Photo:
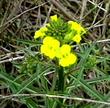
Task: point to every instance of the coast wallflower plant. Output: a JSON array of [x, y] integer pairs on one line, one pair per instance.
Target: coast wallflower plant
[[56, 37]]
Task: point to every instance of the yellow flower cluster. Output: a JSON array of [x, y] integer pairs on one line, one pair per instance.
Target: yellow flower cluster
[[55, 46], [75, 33], [41, 32], [51, 48]]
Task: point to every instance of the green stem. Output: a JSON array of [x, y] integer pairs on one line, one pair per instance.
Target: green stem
[[60, 84], [60, 79]]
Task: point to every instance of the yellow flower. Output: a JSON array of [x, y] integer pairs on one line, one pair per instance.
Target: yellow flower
[[40, 32], [63, 51], [77, 38], [76, 26], [50, 47], [54, 18], [48, 51], [65, 56], [68, 60]]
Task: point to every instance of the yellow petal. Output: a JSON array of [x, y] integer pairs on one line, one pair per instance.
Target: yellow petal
[[51, 54], [54, 18], [40, 32], [48, 51], [72, 58], [63, 62], [44, 49], [51, 41], [77, 38]]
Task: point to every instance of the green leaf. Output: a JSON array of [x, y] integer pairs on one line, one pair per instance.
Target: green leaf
[[89, 89], [29, 42]]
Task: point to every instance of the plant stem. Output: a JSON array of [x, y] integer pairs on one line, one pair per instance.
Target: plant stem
[[60, 84], [61, 79]]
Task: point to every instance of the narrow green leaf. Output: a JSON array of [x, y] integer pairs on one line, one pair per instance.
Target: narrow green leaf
[[90, 89]]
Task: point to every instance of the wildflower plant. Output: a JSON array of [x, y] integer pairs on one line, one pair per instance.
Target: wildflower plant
[[56, 37]]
